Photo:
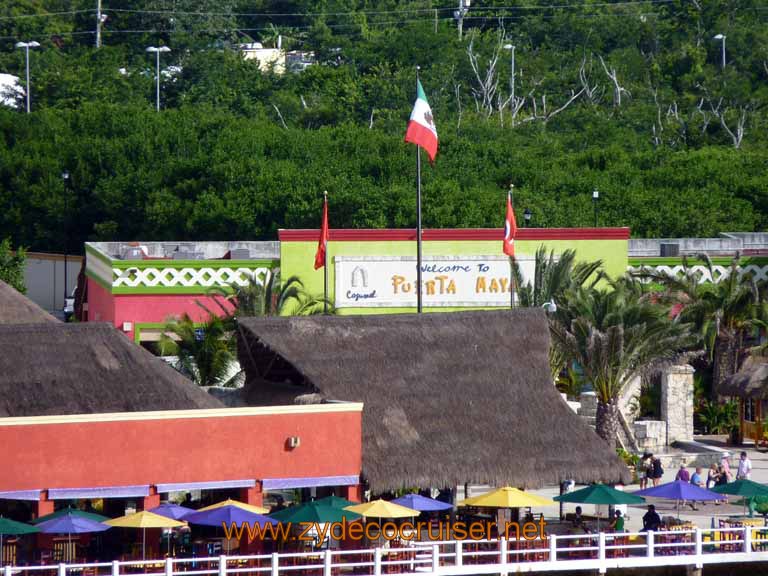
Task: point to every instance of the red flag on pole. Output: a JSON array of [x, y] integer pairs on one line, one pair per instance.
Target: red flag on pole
[[510, 228], [322, 243]]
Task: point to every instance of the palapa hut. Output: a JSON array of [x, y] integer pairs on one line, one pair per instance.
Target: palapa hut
[[449, 398], [750, 386], [56, 368], [15, 308]]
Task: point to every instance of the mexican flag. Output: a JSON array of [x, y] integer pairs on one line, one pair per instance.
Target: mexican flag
[[421, 127], [322, 243]]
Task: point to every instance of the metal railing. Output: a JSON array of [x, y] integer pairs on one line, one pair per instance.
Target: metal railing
[[601, 551]]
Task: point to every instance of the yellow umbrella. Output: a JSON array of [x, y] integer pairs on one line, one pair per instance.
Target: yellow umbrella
[[144, 520], [238, 504], [383, 509], [507, 497]]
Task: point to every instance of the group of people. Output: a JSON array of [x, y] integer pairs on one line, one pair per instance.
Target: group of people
[[649, 470]]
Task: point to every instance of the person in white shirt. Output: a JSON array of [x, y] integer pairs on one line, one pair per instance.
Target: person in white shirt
[[745, 467]]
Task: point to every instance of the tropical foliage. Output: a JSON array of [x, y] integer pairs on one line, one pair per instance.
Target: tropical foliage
[[12, 265], [204, 352], [628, 97], [613, 334]]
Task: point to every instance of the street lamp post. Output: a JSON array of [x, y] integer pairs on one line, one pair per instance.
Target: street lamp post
[[511, 48], [65, 178], [157, 54], [27, 46], [721, 37], [595, 198], [527, 217]]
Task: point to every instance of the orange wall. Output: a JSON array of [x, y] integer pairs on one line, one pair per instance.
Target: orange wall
[[91, 454]]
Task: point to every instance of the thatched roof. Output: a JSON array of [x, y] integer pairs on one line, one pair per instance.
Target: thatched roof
[[749, 382], [15, 308], [448, 398], [48, 369]]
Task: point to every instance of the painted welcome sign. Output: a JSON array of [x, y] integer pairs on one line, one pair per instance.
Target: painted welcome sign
[[387, 281]]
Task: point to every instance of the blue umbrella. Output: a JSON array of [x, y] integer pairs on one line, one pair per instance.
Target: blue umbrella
[[172, 511], [679, 490], [228, 515], [71, 524], [422, 503]]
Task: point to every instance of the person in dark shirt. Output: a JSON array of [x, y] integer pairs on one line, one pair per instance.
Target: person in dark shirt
[[651, 520]]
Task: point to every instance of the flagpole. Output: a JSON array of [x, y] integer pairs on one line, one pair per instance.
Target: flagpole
[[511, 258], [418, 216], [325, 266]]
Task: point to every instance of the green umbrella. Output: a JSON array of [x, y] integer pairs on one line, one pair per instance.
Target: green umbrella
[[315, 512], [600, 494], [11, 527], [746, 488], [74, 512], [336, 502]]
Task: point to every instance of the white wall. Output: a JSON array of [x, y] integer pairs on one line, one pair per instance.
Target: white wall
[[44, 276]]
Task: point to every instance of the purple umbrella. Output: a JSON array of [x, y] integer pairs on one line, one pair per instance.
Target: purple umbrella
[[422, 503], [679, 490], [173, 511], [71, 524], [228, 515]]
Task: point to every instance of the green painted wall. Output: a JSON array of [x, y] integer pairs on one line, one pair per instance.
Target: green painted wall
[[297, 258]]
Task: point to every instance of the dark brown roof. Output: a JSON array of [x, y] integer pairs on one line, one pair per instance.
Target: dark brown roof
[[749, 382], [58, 368], [15, 308], [449, 398]]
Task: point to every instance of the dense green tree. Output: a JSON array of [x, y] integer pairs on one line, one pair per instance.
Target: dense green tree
[[12, 265]]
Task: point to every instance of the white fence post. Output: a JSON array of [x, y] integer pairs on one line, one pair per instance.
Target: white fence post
[[169, 567], [503, 557], [553, 548], [601, 546], [377, 561], [459, 553], [700, 547], [747, 539], [435, 558], [222, 566], [7, 570], [115, 568], [275, 564], [62, 569], [649, 541], [327, 563]]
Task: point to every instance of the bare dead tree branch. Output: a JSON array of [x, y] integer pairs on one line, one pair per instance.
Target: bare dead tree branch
[[279, 115], [618, 90], [592, 93]]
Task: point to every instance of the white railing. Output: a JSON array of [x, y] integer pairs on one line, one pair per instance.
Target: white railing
[[458, 558]]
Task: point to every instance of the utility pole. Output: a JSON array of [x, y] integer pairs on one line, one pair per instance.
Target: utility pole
[[511, 48], [435, 20], [98, 23]]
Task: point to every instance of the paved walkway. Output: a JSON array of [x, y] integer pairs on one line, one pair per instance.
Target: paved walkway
[[703, 518]]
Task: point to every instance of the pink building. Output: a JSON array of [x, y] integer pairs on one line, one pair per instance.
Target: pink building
[[138, 286]]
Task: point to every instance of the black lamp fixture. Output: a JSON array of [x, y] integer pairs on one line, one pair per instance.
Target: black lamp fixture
[[527, 216]]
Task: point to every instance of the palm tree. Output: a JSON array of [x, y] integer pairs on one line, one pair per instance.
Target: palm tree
[[266, 294], [721, 312], [552, 277], [204, 352], [614, 334]]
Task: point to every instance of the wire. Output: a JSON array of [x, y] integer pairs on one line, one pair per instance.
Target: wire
[[47, 14]]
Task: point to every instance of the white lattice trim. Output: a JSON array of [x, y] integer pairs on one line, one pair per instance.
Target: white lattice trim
[[720, 273], [186, 277]]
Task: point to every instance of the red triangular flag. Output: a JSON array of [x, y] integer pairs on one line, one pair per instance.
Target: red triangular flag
[[510, 229], [322, 243]]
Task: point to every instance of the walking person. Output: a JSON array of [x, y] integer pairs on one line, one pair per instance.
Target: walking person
[[684, 476], [644, 470]]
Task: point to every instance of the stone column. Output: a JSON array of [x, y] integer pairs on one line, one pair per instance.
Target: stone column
[[677, 402], [253, 496]]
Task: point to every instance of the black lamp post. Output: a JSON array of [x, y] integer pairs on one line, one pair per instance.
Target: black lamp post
[[595, 198], [65, 178], [527, 217]]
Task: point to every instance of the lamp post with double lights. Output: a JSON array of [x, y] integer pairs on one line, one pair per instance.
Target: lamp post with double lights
[[27, 46], [511, 48], [157, 52]]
